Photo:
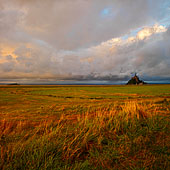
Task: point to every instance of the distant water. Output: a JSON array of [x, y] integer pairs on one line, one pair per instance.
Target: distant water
[[158, 82], [77, 83], [82, 82]]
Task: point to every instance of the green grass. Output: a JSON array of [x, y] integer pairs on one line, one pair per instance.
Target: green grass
[[85, 127]]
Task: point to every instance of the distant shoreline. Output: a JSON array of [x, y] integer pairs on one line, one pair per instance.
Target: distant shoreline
[[83, 82], [78, 84]]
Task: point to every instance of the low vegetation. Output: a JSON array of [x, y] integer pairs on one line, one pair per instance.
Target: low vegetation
[[80, 127]]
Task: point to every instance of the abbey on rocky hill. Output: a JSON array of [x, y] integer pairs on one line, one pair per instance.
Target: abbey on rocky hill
[[135, 81]]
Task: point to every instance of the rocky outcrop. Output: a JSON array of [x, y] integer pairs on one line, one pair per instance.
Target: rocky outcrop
[[135, 81]]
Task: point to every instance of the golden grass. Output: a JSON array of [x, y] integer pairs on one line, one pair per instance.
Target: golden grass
[[77, 136]]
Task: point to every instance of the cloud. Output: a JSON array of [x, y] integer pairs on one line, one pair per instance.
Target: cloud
[[113, 59], [154, 58], [148, 31], [70, 39], [72, 24]]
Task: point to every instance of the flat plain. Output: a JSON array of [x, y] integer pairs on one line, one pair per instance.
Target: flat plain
[[84, 127]]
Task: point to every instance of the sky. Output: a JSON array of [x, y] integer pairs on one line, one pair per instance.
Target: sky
[[83, 40]]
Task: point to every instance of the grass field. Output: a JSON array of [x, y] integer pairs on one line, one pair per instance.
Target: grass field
[[85, 127]]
